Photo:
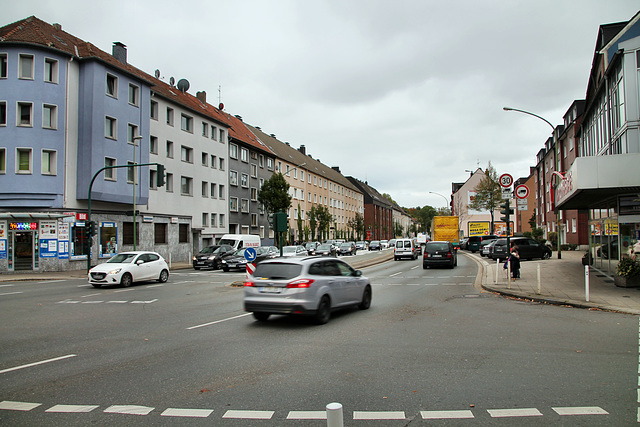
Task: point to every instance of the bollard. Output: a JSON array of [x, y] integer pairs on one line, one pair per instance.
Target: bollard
[[586, 282], [539, 281], [334, 415], [497, 270], [508, 274]]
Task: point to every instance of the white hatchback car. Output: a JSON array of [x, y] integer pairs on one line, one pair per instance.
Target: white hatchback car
[[404, 248], [128, 267]]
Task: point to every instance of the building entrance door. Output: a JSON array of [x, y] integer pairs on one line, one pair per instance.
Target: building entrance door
[[24, 250]]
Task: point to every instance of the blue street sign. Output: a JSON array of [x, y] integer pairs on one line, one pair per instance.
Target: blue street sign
[[250, 254]]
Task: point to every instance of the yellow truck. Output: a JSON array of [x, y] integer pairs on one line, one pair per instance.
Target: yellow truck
[[446, 228]]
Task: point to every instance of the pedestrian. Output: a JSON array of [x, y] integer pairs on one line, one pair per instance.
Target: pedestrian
[[514, 261]]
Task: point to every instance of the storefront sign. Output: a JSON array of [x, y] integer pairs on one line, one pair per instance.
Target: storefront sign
[[3, 240], [23, 226], [147, 218], [48, 248], [63, 240], [629, 205]]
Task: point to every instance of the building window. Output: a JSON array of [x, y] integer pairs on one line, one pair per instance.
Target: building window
[[25, 114], [23, 160], [254, 194], [49, 164], [233, 151], [160, 233], [186, 154], [214, 161], [244, 180], [213, 190], [3, 113], [25, 67], [131, 172], [205, 189], [214, 133], [127, 233], [244, 155], [205, 219], [254, 170], [205, 159], [205, 129], [3, 160], [110, 128], [79, 241], [254, 220], [221, 164], [109, 174], [233, 204], [153, 179], [154, 110], [134, 94], [270, 164], [221, 135], [132, 134], [3, 65], [168, 185], [183, 233], [186, 186], [170, 149], [186, 124], [49, 116], [261, 161], [233, 178], [221, 220], [112, 85], [50, 70], [153, 144], [221, 193], [245, 205], [170, 116]]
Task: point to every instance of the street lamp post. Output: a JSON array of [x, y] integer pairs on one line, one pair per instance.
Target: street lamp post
[[135, 174], [446, 202], [555, 143]]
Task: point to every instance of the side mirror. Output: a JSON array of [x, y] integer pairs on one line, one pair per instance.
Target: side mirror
[[358, 273], [139, 262]]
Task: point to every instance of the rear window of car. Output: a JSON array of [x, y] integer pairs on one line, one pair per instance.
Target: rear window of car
[[437, 247], [277, 271]]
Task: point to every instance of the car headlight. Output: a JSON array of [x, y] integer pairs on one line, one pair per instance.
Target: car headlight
[[224, 261], [116, 271], [211, 258]]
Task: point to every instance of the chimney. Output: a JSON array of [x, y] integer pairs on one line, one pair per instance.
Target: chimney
[[238, 117], [303, 149], [57, 26], [202, 96], [119, 52], [336, 168]]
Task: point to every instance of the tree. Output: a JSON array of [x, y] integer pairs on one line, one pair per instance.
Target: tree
[[388, 196], [313, 222], [299, 222], [424, 216], [274, 194], [356, 224], [324, 218], [488, 194]]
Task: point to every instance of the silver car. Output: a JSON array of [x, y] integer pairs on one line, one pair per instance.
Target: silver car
[[313, 286]]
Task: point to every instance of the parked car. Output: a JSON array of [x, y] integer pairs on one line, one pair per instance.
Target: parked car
[[347, 248], [312, 286], [527, 248], [486, 243], [384, 244], [374, 245], [126, 268], [438, 253], [311, 247], [486, 248], [392, 243], [211, 256], [326, 249], [238, 261], [404, 248], [266, 252], [464, 243], [292, 251], [475, 242], [361, 245]]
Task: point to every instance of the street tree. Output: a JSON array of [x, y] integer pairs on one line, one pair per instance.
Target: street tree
[[488, 194], [313, 222], [274, 194]]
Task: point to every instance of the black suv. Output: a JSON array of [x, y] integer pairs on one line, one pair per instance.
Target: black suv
[[527, 248]]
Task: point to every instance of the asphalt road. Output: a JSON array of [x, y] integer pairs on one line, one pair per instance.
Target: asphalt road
[[431, 345]]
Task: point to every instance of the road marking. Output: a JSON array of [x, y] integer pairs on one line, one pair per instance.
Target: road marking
[[92, 302], [10, 293], [129, 409], [52, 281], [417, 266], [91, 295], [307, 415], [72, 408], [253, 415], [124, 290], [446, 415], [519, 412], [55, 359], [116, 302], [218, 321], [580, 410], [144, 302], [18, 406], [395, 274], [6, 286], [155, 286], [194, 413], [378, 415]]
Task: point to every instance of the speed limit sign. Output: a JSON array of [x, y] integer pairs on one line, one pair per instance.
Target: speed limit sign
[[506, 180]]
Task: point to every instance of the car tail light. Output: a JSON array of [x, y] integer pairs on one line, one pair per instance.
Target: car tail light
[[302, 283], [249, 284], [449, 254]]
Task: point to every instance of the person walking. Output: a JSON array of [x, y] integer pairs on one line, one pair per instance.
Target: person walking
[[514, 261]]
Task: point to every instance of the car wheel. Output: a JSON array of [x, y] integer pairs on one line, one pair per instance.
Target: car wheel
[[260, 316], [324, 311], [96, 285], [546, 255], [218, 265], [366, 299], [164, 276], [424, 266], [196, 268], [395, 258], [225, 269], [126, 280]]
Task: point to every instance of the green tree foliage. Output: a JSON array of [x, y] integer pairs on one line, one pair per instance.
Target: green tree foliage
[[488, 193], [324, 218], [356, 224], [313, 221], [274, 194], [299, 222]]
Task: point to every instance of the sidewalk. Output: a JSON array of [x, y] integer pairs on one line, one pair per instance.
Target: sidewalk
[[562, 282]]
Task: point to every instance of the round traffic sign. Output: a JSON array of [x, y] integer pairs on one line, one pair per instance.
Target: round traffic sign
[[506, 180], [250, 254], [522, 191]]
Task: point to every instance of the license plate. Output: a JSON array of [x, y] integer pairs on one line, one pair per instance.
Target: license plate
[[232, 265], [269, 290], [436, 256]]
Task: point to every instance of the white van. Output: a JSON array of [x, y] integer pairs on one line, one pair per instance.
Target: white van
[[239, 241], [404, 248]]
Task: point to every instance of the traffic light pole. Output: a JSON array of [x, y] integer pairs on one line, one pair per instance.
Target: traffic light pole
[[90, 234]]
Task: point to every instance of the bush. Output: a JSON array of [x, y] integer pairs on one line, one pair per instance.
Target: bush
[[569, 247], [628, 267]]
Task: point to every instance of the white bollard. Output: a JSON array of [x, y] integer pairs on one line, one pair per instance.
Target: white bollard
[[334, 415], [497, 270], [586, 282], [539, 280]]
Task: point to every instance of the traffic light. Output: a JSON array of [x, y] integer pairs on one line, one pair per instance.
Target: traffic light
[[160, 176], [92, 228], [507, 211], [271, 221]]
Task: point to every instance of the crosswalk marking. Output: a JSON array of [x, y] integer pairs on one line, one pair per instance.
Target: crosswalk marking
[[517, 412], [252, 415], [181, 412], [72, 408], [18, 406], [446, 415], [378, 415], [307, 415], [129, 409], [578, 410]]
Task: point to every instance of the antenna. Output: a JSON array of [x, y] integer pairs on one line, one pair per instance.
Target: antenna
[[172, 81], [157, 73], [220, 95]]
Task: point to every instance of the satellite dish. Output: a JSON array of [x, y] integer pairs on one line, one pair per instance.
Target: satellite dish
[[157, 74], [172, 81], [221, 106], [183, 85]]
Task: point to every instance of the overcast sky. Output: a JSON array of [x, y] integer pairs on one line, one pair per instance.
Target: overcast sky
[[406, 95]]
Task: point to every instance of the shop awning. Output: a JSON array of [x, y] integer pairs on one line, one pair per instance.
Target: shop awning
[[22, 216]]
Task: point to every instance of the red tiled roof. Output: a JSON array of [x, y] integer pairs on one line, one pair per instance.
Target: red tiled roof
[[239, 131]]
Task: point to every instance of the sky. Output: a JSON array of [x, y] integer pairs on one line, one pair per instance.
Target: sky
[[407, 95]]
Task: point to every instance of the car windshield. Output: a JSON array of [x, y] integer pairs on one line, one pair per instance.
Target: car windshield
[[437, 247], [125, 258], [324, 247], [239, 252], [289, 250], [277, 270], [209, 249], [345, 245], [375, 242]]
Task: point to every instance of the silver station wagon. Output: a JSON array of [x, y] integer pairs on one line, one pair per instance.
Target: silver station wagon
[[313, 286]]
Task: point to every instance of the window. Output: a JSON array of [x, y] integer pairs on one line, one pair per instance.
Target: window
[[134, 94], [254, 170], [131, 172], [245, 205], [49, 164], [153, 179], [254, 220], [221, 135], [50, 70], [110, 127], [270, 164], [205, 191], [49, 116], [160, 233], [170, 116], [170, 149], [109, 174], [3, 160], [186, 124], [23, 160], [205, 159], [169, 183], [213, 190], [244, 180], [205, 129], [214, 133], [214, 219], [132, 134], [233, 204], [3, 113], [112, 85], [25, 66], [186, 154], [233, 151], [183, 233], [186, 186], [127, 233], [261, 161], [254, 194], [214, 161], [221, 193], [233, 178], [205, 219], [244, 155], [25, 113], [221, 220], [221, 164], [153, 144], [78, 240], [3, 65], [154, 110]]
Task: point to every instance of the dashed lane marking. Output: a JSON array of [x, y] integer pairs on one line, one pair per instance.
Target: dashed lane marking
[[18, 406], [580, 410], [307, 415], [10, 293], [251, 415], [193, 413], [378, 415], [446, 415], [29, 365], [68, 301], [517, 412], [129, 409], [72, 408]]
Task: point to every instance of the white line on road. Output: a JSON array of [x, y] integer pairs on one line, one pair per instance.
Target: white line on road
[[72, 408], [253, 415], [124, 290], [219, 321], [129, 409], [10, 293], [18, 406], [91, 295], [55, 359], [440, 415], [577, 410], [144, 302], [154, 286], [395, 274], [51, 281], [5, 286], [307, 415], [518, 412], [194, 413], [378, 415], [417, 266]]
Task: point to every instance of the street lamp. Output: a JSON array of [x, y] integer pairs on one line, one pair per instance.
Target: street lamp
[[135, 173], [555, 143], [446, 202], [294, 168]]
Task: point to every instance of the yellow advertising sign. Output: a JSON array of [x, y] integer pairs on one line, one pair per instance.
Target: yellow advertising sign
[[479, 228]]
